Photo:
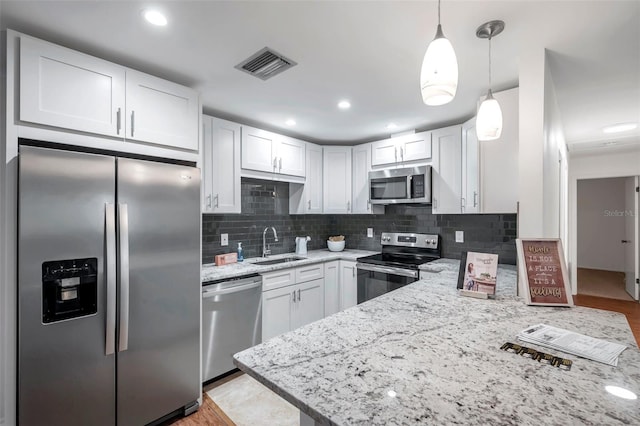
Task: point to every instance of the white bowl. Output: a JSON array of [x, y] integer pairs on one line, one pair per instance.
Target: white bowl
[[335, 245]]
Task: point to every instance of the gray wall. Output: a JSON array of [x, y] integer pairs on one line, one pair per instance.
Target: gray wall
[[601, 223], [266, 204]]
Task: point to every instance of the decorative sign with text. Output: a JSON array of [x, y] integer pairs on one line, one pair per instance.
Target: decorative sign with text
[[543, 272]]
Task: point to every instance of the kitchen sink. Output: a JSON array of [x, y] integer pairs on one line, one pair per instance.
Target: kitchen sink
[[280, 260]]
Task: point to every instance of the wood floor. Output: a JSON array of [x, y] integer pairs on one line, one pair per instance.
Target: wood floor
[[210, 414], [630, 309]]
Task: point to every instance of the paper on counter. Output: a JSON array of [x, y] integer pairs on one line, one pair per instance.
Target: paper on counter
[[573, 343]]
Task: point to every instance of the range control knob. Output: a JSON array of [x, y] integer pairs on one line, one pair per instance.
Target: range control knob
[[433, 241]]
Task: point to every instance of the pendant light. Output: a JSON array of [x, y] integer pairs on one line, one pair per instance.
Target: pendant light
[[489, 119], [439, 74]]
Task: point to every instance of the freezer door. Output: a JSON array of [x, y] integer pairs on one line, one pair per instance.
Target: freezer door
[[66, 375], [160, 289]]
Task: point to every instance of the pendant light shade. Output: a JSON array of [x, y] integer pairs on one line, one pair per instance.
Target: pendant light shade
[[439, 74], [489, 118]]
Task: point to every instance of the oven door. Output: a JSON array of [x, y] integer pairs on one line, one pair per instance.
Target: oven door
[[376, 280]]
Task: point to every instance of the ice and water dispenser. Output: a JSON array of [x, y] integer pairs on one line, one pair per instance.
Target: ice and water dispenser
[[69, 289]]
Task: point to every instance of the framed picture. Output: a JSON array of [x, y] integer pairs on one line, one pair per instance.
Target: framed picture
[[478, 272], [543, 272]]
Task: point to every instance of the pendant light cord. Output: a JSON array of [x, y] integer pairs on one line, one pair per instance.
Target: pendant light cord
[[489, 62], [438, 12]]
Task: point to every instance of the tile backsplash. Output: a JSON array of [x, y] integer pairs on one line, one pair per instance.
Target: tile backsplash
[[266, 204]]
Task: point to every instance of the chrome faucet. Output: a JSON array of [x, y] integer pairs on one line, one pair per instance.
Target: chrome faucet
[[265, 251]]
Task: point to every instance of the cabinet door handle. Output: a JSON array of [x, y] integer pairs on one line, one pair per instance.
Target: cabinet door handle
[[395, 150], [475, 198], [299, 298], [118, 121], [294, 296], [309, 204], [348, 206], [435, 203], [463, 204], [217, 200], [280, 164], [133, 120], [368, 204], [401, 154], [209, 200], [353, 270], [275, 163]]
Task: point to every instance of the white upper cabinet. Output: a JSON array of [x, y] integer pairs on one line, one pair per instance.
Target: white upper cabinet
[[221, 166], [258, 150], [67, 89], [307, 198], [499, 160], [447, 170], [415, 147], [269, 152], [337, 179], [291, 156], [63, 88], [405, 148], [384, 152], [313, 184], [470, 168], [361, 167], [161, 112]]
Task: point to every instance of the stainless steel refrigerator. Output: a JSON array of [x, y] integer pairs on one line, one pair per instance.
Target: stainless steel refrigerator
[[109, 288]]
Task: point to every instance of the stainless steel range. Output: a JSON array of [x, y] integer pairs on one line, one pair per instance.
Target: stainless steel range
[[397, 265]]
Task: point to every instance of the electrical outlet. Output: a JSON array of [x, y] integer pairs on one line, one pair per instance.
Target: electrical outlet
[[224, 239], [459, 236], [369, 232]]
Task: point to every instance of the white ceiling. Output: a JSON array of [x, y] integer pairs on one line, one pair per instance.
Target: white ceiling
[[367, 52]]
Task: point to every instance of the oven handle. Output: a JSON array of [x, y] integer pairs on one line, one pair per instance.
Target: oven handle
[[387, 270]]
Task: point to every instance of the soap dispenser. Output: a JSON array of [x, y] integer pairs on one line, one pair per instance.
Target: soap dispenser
[[240, 253]]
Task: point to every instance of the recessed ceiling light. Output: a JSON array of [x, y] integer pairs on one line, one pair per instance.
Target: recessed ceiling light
[[155, 17], [621, 392], [618, 128], [391, 126], [344, 104], [290, 122]]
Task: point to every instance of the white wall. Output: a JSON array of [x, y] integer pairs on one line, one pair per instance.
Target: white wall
[[603, 163], [531, 67], [554, 149], [599, 229]]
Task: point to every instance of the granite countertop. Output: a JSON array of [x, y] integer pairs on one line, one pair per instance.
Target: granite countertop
[[424, 355], [211, 272]]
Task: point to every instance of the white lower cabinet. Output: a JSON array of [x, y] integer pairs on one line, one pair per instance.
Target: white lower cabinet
[[348, 284], [276, 312], [308, 303], [331, 287], [286, 304]]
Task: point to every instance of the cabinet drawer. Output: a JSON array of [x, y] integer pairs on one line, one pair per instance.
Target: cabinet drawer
[[308, 273], [277, 279]]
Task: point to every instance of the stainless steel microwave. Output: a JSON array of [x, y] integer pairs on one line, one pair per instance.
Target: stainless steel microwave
[[406, 185]]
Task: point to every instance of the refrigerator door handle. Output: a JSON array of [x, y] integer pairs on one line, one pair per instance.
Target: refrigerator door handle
[[110, 217], [123, 219]]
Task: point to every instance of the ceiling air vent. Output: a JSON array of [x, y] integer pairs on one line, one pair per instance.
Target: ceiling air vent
[[265, 63]]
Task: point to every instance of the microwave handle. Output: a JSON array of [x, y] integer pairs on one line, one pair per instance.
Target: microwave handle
[[409, 187]]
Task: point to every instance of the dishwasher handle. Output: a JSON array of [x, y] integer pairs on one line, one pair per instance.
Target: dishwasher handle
[[235, 289]]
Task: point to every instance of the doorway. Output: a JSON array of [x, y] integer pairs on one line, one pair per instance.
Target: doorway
[[607, 238]]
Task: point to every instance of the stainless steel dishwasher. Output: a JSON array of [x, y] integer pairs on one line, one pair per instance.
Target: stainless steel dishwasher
[[231, 321]]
